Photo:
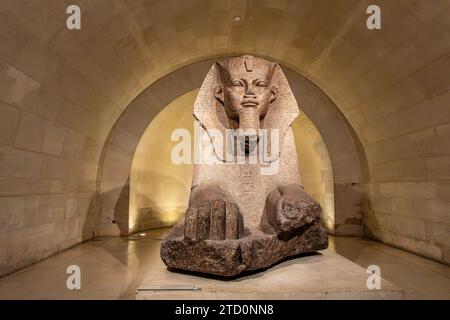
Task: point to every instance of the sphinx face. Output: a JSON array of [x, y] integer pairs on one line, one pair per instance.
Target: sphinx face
[[246, 91]]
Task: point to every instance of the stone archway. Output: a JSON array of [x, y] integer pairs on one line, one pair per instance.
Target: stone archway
[[160, 189], [118, 152]]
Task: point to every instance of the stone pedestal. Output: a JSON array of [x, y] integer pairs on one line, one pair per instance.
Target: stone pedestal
[[323, 275], [230, 257]]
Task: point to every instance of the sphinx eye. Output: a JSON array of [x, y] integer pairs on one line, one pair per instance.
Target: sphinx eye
[[237, 83], [261, 83]]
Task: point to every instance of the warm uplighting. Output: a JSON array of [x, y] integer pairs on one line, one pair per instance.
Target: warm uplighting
[[171, 217]]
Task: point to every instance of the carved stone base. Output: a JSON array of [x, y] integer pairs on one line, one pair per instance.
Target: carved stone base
[[255, 250]]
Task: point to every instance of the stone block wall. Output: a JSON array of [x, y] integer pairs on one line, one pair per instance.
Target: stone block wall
[[407, 146], [55, 114], [408, 202]]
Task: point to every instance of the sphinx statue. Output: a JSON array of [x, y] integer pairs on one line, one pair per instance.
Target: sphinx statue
[[244, 214]]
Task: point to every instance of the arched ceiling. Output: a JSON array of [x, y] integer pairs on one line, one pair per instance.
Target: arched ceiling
[[115, 171], [124, 46], [160, 189]]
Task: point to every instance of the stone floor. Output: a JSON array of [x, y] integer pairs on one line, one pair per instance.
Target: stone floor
[[324, 275], [421, 278], [113, 268]]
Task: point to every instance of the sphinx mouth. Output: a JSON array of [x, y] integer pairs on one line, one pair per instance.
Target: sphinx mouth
[[249, 104]]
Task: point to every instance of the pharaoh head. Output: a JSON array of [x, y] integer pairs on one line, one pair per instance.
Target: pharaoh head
[[246, 90], [246, 94]]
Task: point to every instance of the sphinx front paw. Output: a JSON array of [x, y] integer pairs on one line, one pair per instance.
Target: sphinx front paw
[[288, 209], [212, 215]]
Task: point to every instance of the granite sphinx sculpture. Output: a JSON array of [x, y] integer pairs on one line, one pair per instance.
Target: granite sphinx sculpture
[[243, 214]]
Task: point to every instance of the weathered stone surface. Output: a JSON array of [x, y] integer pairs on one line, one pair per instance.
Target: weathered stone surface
[[289, 208], [218, 220], [212, 215], [234, 223], [245, 215]]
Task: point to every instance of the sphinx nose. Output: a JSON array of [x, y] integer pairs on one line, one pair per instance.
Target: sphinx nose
[[249, 92]]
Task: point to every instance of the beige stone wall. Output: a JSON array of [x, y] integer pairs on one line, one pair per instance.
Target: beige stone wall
[[50, 141], [408, 198], [159, 189], [62, 91]]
